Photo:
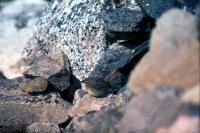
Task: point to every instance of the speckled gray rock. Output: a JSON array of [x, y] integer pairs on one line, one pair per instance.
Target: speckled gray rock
[[155, 8], [81, 29], [52, 70]]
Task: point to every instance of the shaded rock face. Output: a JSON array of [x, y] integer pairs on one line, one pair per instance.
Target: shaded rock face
[[173, 55], [82, 30], [50, 69], [150, 110], [155, 8]]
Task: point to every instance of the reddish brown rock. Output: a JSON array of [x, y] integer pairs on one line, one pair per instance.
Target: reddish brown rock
[[56, 72], [173, 59], [87, 103], [148, 111], [184, 124]]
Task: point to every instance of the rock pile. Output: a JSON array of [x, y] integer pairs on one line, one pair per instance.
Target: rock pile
[[108, 67]]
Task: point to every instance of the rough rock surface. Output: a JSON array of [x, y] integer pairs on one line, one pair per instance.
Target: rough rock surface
[[50, 69], [38, 84], [99, 122], [42, 128], [19, 109], [86, 103], [173, 55], [150, 110], [79, 29]]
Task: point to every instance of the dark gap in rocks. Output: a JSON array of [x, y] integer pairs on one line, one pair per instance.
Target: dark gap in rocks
[[66, 123], [140, 51], [143, 33], [113, 37], [191, 110], [68, 94], [2, 76]]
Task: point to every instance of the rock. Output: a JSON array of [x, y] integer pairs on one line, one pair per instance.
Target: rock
[[173, 55], [17, 114], [98, 122], [191, 125], [192, 96], [38, 84], [19, 109], [125, 16], [46, 67], [156, 8], [43, 128], [96, 87], [23, 14], [150, 110], [87, 103], [188, 5], [79, 29], [116, 80]]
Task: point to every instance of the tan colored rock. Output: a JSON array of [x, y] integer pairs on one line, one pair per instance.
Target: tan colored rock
[[173, 59], [184, 124], [192, 96], [38, 84], [88, 103]]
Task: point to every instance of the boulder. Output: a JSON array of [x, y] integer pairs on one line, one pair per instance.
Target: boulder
[[173, 59], [82, 30], [54, 72]]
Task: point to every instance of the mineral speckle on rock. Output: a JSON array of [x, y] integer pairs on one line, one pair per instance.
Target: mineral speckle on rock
[[79, 28], [76, 65]]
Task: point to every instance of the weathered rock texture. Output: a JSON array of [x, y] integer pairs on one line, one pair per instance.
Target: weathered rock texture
[[52, 70], [19, 109], [173, 59], [83, 30]]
